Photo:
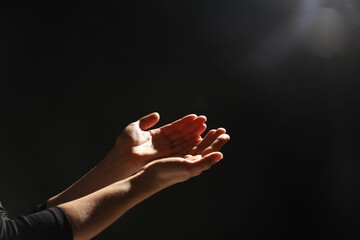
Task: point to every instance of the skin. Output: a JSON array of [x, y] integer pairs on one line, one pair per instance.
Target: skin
[[93, 213], [138, 144], [142, 162]]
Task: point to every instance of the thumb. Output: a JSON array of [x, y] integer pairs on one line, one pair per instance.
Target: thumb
[[149, 121]]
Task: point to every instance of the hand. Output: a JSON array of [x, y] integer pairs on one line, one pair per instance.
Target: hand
[[168, 171], [201, 157], [137, 145]]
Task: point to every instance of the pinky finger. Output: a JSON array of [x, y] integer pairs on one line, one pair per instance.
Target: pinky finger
[[206, 162]]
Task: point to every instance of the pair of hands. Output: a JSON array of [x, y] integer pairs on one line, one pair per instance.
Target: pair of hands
[[174, 152], [167, 155], [142, 162]]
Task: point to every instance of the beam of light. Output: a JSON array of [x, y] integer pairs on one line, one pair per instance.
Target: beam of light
[[327, 37], [335, 28], [326, 28], [281, 43], [352, 18]]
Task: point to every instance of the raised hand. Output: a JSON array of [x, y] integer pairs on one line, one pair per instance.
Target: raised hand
[[138, 144]]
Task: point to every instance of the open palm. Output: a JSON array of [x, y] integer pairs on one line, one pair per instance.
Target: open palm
[[139, 144], [171, 170]]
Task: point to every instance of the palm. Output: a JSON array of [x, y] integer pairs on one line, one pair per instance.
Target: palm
[[149, 144], [172, 170], [142, 145]]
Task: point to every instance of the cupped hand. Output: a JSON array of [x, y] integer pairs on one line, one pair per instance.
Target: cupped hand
[[138, 144], [168, 171]]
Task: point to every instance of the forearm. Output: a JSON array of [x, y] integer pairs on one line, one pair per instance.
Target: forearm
[[107, 172], [93, 213]]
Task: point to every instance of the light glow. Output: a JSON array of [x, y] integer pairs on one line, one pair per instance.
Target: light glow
[[324, 28]]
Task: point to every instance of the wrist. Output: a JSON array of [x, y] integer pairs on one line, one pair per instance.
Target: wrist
[[143, 185], [154, 176], [117, 165]]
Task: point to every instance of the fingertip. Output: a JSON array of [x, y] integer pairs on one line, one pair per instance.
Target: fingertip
[[221, 129], [216, 156], [212, 131], [203, 117], [189, 117], [219, 156], [149, 120], [153, 114], [225, 137], [192, 115], [157, 114]]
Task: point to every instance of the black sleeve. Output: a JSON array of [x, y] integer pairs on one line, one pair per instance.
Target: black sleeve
[[46, 224]]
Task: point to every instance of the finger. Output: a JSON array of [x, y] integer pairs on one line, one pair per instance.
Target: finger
[[185, 147], [188, 128], [209, 139], [205, 162], [178, 124], [197, 126], [180, 136], [198, 148], [149, 121], [217, 144]]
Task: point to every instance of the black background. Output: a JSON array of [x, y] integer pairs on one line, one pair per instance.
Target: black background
[[73, 74]]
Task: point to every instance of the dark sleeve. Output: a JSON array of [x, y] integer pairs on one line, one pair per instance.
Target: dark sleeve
[[46, 224]]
